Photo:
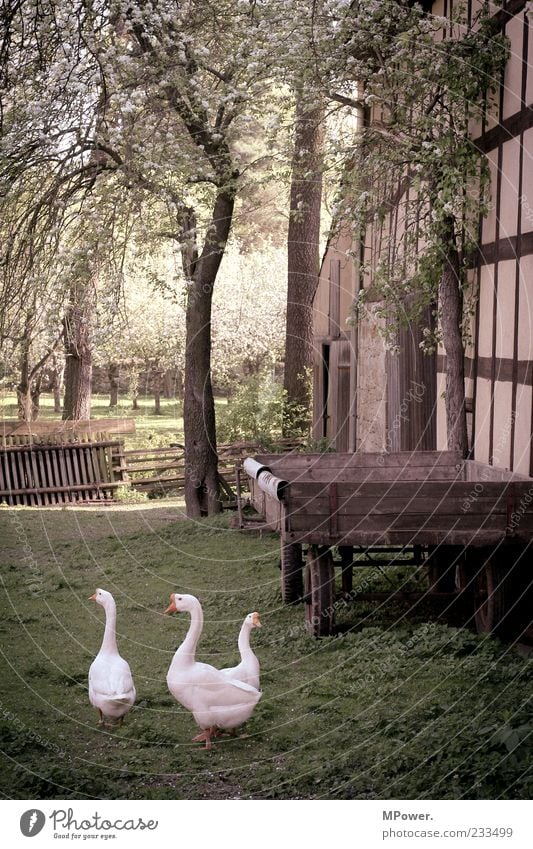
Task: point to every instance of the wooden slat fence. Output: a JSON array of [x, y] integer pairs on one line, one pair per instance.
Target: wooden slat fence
[[64, 469], [163, 469]]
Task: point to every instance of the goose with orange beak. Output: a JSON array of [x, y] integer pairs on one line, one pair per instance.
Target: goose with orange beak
[[111, 688], [248, 669], [217, 702]]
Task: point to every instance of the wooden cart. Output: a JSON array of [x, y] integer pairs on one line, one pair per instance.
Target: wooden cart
[[470, 523]]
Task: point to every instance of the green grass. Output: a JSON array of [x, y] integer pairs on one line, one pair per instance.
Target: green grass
[[397, 705]]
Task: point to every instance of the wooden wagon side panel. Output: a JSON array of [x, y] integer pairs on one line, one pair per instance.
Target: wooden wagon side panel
[[410, 512]]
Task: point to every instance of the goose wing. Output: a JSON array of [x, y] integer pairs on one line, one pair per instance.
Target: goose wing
[[111, 678]]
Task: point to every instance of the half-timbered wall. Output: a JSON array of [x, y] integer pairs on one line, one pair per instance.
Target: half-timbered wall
[[501, 362], [499, 357]]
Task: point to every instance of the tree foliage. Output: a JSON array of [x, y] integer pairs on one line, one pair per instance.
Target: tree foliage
[[425, 81], [130, 127]]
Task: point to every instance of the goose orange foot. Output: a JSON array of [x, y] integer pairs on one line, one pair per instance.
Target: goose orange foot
[[205, 735]]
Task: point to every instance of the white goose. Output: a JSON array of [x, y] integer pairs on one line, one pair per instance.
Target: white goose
[[111, 688], [216, 701], [248, 669]]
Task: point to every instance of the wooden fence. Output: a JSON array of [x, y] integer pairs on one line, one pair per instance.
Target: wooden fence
[[60, 470], [67, 467], [163, 469]]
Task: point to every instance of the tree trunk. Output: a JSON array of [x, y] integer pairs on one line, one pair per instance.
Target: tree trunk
[[201, 462], [303, 260], [23, 386], [29, 394], [35, 395], [134, 388], [57, 379], [178, 389], [451, 308], [156, 388], [57, 396], [78, 364], [169, 383], [24, 405], [113, 375]]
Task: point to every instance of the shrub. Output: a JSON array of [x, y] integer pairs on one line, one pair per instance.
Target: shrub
[[253, 412]]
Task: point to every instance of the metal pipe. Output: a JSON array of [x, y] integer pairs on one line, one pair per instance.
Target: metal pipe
[[272, 485], [253, 469], [265, 479]]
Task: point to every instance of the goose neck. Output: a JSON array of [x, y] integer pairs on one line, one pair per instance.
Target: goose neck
[[187, 650], [244, 639], [109, 643]]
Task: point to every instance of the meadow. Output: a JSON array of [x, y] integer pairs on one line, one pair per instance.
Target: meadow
[[398, 704]]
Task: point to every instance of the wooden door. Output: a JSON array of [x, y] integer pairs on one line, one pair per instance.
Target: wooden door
[[411, 393], [339, 395]]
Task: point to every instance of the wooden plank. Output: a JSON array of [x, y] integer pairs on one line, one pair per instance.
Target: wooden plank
[[18, 462], [94, 494], [49, 476], [3, 460], [407, 490], [63, 475], [94, 490], [340, 393], [82, 458], [43, 445], [69, 466], [56, 474], [154, 467], [480, 537], [358, 506], [476, 471], [28, 475], [110, 466], [360, 475], [120, 467], [399, 459], [42, 475], [8, 479], [16, 483], [35, 474], [411, 522], [103, 472], [15, 474], [99, 479], [82, 475], [164, 479], [141, 452], [52, 489], [44, 428]]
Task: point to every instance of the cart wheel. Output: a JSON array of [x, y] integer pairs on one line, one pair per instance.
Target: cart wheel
[[319, 592], [441, 567], [291, 573], [501, 606]]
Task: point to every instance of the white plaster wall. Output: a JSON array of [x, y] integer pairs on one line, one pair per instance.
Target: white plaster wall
[[371, 387]]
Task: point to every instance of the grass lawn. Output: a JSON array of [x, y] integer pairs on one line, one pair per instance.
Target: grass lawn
[[397, 705]]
